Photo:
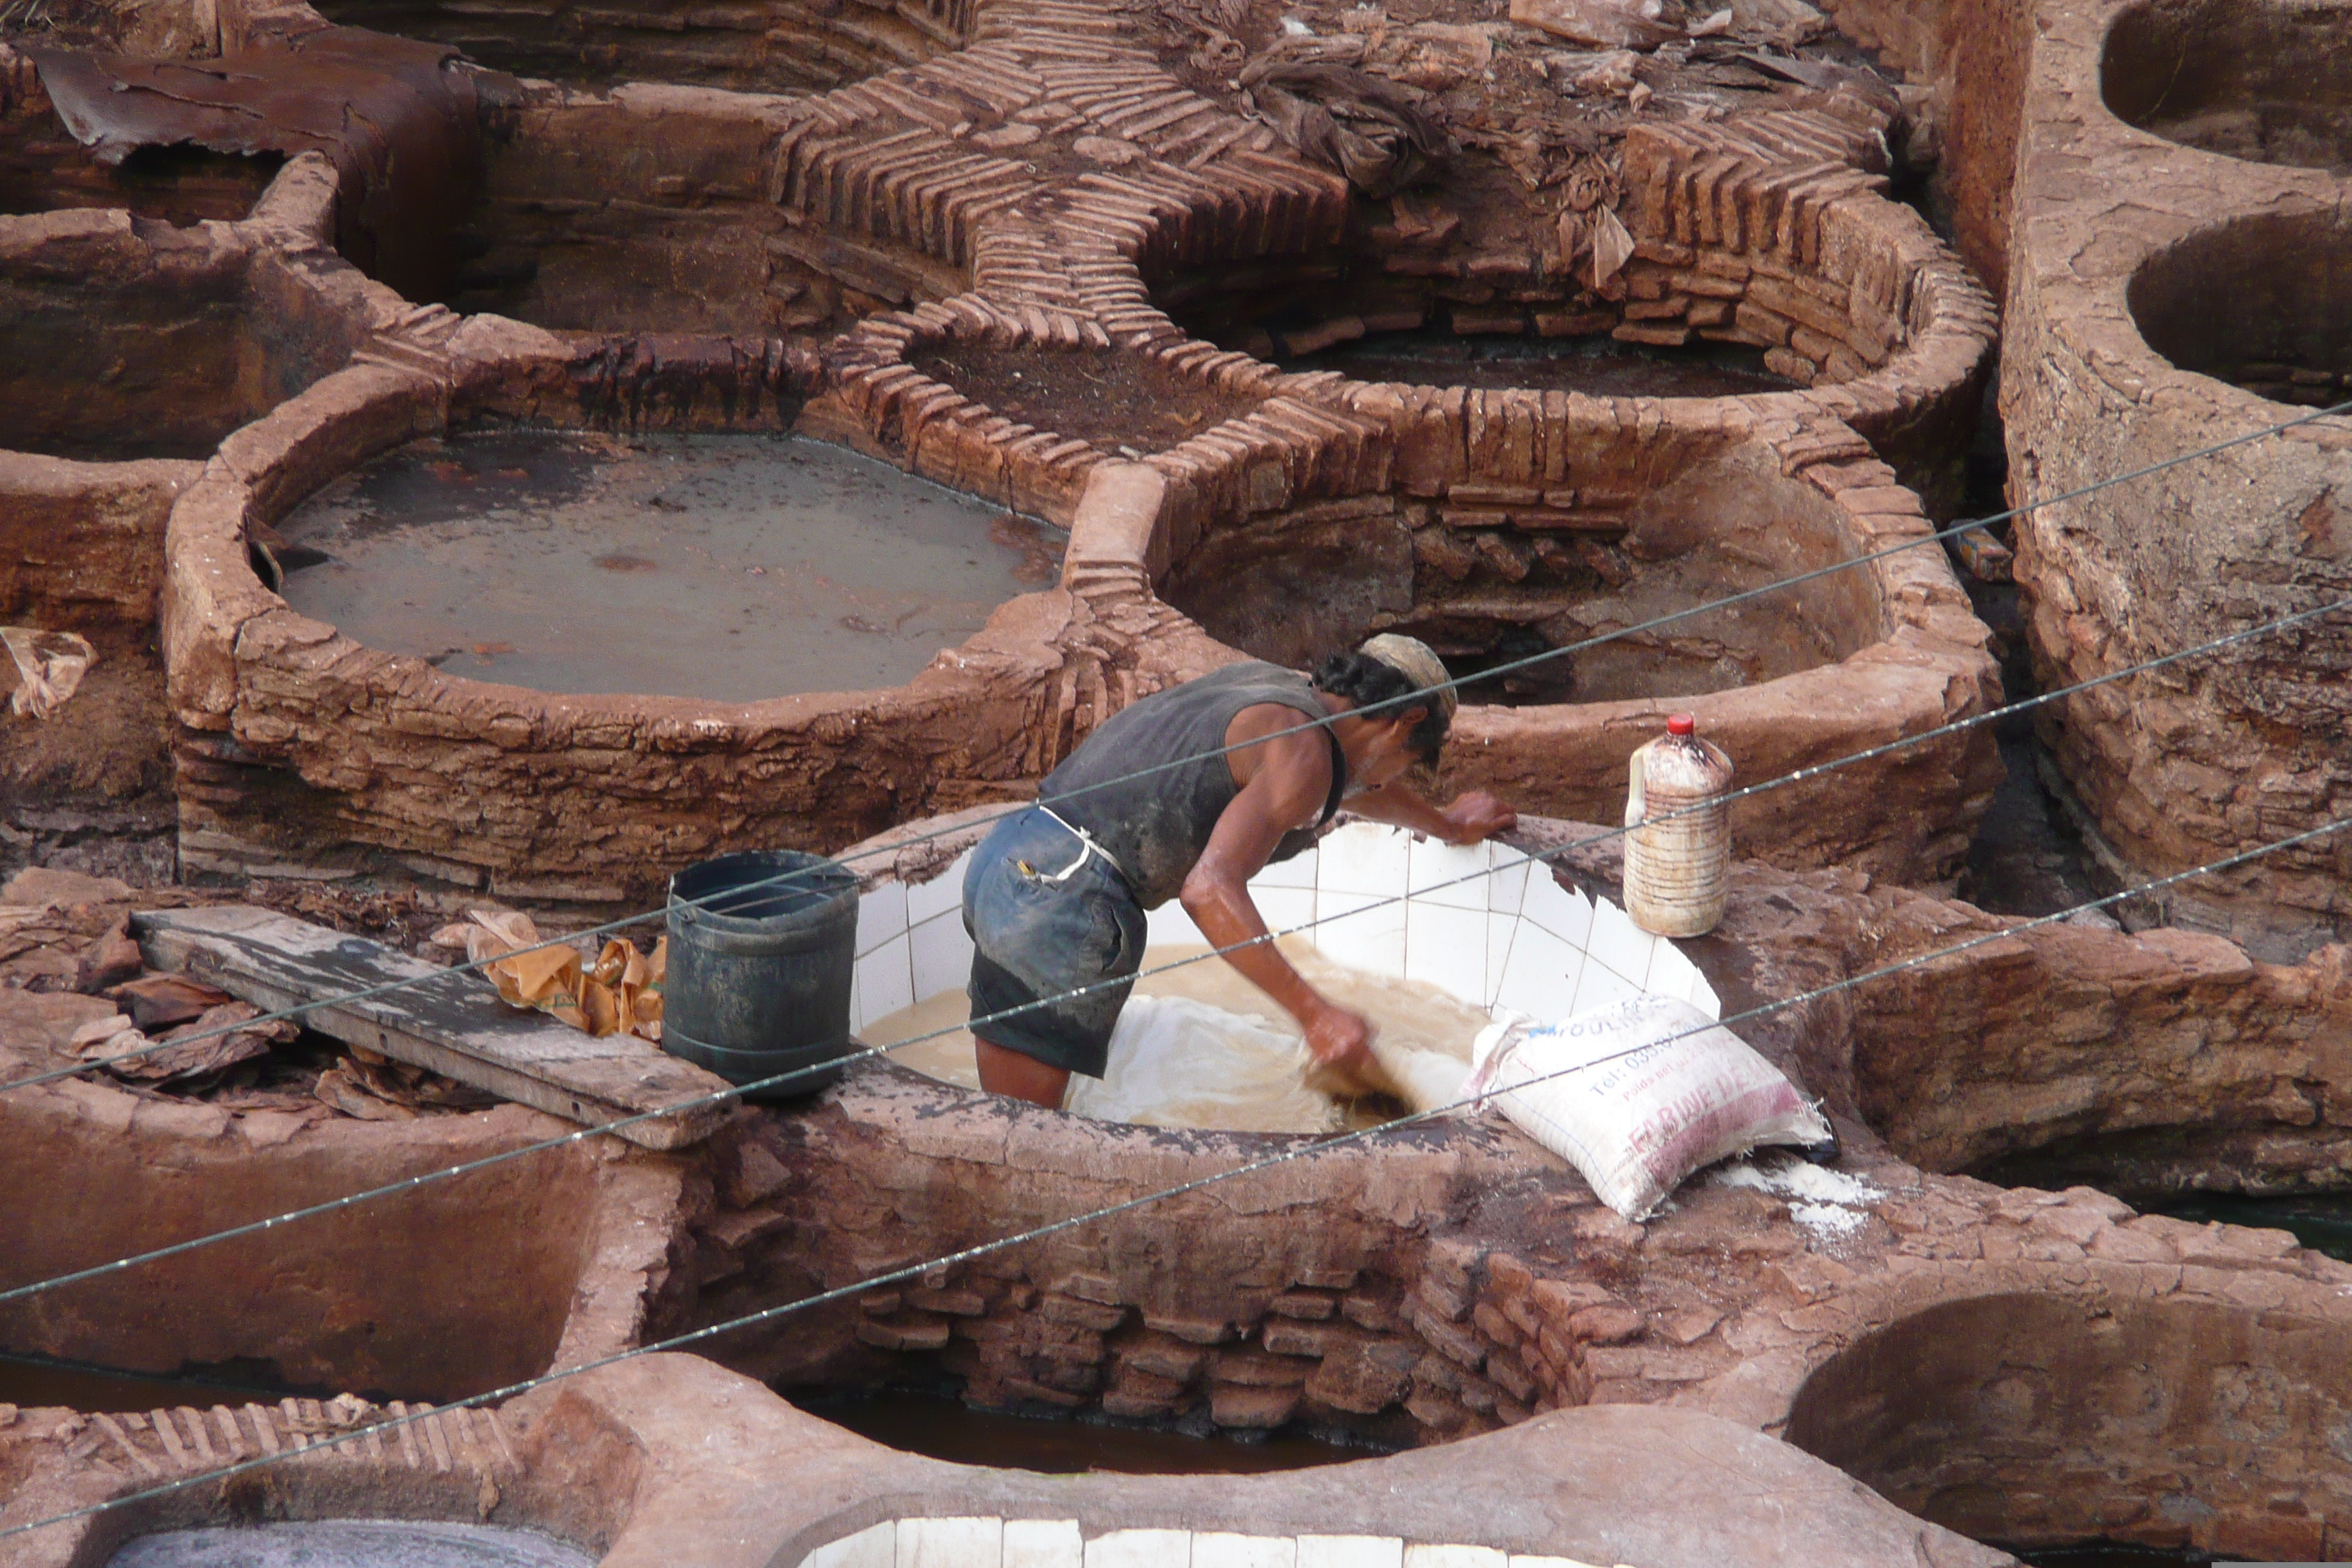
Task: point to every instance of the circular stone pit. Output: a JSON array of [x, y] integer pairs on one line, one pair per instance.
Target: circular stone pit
[[124, 339], [719, 567], [2267, 82], [292, 734], [457, 1288], [2264, 302], [1752, 276], [646, 207], [1490, 575], [2039, 1421], [1558, 517]]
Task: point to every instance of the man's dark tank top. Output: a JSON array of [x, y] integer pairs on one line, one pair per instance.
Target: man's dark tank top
[[1156, 826]]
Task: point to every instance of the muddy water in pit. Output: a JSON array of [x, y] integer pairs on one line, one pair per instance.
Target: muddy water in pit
[[1599, 366], [730, 568], [940, 1427], [1201, 1046]]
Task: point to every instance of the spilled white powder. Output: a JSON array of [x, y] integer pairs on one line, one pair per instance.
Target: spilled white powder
[[1826, 1219], [1827, 1203]]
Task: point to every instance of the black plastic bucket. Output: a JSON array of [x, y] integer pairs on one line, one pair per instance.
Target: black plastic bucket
[[758, 978]]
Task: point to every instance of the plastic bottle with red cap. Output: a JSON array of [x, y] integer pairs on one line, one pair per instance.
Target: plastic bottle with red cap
[[1678, 853]]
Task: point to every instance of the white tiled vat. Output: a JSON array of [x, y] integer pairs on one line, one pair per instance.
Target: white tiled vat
[[1062, 1543], [1043, 1543], [1480, 923]]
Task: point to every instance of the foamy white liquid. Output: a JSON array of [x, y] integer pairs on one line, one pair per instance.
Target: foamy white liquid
[[1201, 1046]]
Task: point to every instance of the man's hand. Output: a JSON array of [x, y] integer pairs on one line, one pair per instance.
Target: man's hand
[[1341, 1044], [1477, 816]]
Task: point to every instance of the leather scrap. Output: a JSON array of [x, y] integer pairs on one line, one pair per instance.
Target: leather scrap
[[400, 119], [1372, 131]]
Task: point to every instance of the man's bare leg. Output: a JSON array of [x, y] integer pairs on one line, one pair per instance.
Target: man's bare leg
[[1018, 1077]]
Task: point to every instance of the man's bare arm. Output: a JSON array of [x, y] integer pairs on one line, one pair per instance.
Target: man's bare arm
[[1290, 782], [1469, 818], [1285, 782]]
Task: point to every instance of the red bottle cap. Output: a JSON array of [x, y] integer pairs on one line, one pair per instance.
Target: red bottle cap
[[1682, 724]]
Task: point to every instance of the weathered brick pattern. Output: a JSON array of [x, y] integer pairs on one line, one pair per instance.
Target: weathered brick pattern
[[2212, 756], [1020, 192]]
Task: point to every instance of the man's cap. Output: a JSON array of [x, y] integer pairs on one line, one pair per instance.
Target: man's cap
[[1417, 662]]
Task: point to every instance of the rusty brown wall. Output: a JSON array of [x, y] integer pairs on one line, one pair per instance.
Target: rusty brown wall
[[81, 544], [1971, 55]]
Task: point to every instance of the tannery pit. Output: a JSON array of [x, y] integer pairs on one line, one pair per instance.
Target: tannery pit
[[1498, 573], [2282, 330], [2264, 83], [726, 567]]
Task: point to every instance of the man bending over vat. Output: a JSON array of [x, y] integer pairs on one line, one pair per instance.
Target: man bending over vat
[[1056, 895]]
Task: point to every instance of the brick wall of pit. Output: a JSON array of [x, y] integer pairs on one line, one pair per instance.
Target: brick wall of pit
[[1968, 60], [2231, 751]]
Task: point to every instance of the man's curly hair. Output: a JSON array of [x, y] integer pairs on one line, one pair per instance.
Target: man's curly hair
[[1365, 680]]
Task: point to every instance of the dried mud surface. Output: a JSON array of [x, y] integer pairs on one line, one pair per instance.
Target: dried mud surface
[[1123, 405], [110, 743]]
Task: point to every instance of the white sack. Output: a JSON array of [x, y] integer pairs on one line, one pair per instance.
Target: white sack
[[1638, 1095]]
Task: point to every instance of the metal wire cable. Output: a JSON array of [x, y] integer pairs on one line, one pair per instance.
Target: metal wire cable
[[1545, 858], [784, 878], [1182, 1189]]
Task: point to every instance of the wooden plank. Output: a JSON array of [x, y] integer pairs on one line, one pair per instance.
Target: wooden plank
[[450, 1021]]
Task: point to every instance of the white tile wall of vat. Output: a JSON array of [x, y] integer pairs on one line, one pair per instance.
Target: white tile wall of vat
[[1483, 924], [1061, 1543]]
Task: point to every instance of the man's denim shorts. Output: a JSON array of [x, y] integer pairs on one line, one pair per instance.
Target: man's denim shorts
[[1036, 937]]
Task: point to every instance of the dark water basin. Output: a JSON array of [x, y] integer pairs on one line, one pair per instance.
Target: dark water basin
[[1598, 366], [940, 1427], [2320, 1221]]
